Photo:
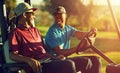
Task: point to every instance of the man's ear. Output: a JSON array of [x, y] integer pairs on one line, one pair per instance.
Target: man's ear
[[24, 15], [66, 15]]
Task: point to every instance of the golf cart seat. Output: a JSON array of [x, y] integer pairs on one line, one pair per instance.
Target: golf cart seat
[[11, 66]]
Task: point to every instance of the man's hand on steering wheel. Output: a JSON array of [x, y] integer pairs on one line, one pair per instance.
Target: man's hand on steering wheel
[[92, 33], [87, 41], [83, 45]]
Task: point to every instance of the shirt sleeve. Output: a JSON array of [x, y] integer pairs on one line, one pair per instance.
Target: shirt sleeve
[[13, 41], [71, 30], [52, 39]]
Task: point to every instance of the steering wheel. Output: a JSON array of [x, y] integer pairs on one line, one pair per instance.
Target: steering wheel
[[87, 41], [89, 36]]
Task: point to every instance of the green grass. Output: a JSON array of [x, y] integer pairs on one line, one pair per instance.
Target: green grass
[[43, 29], [108, 35], [107, 42]]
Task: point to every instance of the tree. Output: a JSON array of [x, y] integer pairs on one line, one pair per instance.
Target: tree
[[73, 7]]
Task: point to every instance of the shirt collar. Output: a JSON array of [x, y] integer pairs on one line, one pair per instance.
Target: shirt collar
[[55, 24], [23, 27]]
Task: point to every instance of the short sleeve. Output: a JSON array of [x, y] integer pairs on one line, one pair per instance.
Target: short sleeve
[[13, 41], [52, 39], [71, 30]]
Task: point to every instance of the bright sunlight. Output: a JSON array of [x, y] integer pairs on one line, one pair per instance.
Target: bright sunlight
[[104, 2]]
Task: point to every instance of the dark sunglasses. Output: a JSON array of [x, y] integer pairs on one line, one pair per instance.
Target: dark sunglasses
[[30, 13]]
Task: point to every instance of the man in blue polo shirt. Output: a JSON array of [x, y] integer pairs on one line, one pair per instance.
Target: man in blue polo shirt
[[58, 42]]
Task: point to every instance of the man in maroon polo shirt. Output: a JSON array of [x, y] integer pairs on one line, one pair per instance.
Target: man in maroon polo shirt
[[26, 45]]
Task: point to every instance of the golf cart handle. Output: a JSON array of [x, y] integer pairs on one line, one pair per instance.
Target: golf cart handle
[[86, 42], [95, 49], [92, 34]]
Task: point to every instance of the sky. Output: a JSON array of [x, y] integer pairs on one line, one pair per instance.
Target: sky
[[104, 2], [32, 1], [99, 2]]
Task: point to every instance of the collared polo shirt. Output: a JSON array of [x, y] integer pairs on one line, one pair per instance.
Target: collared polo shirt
[[59, 37], [27, 41]]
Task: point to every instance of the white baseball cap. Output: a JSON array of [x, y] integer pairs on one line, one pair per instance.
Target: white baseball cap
[[23, 7], [60, 9]]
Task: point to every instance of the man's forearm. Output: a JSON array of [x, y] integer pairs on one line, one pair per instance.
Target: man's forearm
[[19, 58], [66, 52]]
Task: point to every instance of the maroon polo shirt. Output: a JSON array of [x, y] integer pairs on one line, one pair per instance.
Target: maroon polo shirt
[[27, 41]]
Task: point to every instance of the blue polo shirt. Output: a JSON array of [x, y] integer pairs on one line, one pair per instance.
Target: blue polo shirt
[[59, 37]]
